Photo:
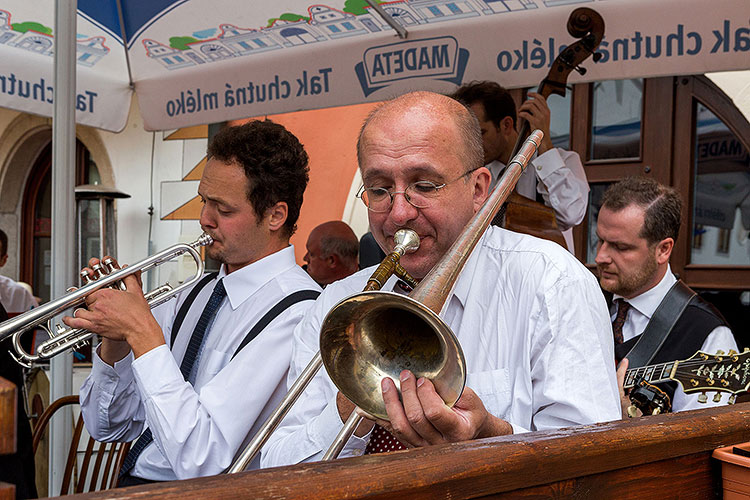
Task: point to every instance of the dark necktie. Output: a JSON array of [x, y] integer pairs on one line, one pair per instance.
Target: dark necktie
[[382, 441], [622, 315], [186, 367]]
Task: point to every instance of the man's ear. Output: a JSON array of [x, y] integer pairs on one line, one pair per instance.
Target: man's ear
[[332, 261], [482, 178], [506, 126], [277, 215], [3, 260], [664, 250]]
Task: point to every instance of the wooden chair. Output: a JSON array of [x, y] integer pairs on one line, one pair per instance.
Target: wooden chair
[[108, 458]]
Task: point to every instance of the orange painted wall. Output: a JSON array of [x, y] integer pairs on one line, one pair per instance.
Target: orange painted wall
[[330, 138]]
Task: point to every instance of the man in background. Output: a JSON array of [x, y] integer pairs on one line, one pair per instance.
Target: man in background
[[637, 227], [555, 177], [15, 297], [332, 249]]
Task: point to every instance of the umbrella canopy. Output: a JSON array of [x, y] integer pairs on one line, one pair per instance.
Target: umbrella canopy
[[200, 61]]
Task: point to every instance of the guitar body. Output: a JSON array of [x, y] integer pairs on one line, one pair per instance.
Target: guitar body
[[526, 216]]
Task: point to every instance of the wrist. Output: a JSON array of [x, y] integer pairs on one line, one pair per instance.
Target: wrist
[[143, 341]]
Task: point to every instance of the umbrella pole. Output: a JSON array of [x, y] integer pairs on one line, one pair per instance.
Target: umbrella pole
[[63, 218]]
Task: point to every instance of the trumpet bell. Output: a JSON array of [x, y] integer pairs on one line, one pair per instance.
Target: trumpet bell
[[371, 335]]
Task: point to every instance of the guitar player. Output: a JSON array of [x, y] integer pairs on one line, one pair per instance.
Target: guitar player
[[655, 317], [555, 175]]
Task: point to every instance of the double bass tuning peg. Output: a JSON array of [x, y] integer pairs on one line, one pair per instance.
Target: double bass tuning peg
[[581, 70]]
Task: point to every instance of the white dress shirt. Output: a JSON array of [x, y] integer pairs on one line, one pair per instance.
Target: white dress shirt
[[15, 298], [198, 429], [564, 186], [534, 329], [643, 307]]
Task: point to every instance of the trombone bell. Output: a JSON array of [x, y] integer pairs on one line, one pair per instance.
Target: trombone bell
[[372, 335]]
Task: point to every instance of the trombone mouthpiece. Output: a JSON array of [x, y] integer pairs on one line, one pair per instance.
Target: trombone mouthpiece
[[406, 241], [204, 240]]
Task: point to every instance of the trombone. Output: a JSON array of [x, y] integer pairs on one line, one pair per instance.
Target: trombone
[[375, 334], [405, 240], [105, 275]]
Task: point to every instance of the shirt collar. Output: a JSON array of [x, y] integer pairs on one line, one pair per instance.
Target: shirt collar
[[244, 282], [647, 302], [463, 284]]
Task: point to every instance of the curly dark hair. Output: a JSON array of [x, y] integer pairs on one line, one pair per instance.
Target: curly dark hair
[[661, 204], [497, 101], [275, 164]]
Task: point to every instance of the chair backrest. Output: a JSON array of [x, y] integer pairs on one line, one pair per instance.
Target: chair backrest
[[80, 472]]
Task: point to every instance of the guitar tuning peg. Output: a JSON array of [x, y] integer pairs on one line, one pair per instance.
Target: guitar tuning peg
[[717, 397], [581, 71], [702, 398], [746, 349], [732, 399], [632, 411], [597, 56], [719, 352], [732, 352]]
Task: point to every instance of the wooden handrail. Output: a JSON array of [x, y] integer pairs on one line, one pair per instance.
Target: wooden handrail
[[610, 456]]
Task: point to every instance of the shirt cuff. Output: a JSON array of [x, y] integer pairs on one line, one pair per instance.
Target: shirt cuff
[[547, 163], [327, 426], [111, 377]]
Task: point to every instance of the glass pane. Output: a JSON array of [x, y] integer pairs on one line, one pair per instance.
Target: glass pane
[[595, 203], [559, 118], [616, 119], [721, 204]]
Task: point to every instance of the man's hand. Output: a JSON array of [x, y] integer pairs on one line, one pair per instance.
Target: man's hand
[[424, 418], [537, 113], [625, 402], [123, 318]]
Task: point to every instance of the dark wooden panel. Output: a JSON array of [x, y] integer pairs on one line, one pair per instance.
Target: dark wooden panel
[[7, 417], [581, 459], [694, 476]]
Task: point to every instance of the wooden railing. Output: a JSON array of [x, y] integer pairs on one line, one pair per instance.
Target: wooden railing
[[659, 456], [7, 431]]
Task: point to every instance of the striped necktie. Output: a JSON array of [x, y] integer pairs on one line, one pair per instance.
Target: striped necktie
[[186, 367]]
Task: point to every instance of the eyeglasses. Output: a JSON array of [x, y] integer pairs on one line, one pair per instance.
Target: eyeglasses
[[420, 194]]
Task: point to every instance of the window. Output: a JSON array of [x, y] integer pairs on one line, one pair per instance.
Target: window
[[616, 119]]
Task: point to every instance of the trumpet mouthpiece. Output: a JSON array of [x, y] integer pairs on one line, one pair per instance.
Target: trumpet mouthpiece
[[204, 240]]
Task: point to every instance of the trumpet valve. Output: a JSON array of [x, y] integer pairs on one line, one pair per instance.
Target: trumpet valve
[[99, 271], [85, 279]]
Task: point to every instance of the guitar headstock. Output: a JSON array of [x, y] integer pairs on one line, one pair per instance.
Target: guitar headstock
[[587, 25], [714, 372]]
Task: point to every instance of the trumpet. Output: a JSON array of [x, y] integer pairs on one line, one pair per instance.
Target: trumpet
[[106, 274]]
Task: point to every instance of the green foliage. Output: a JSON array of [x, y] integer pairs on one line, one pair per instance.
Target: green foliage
[[289, 17], [180, 42], [357, 7], [31, 26]]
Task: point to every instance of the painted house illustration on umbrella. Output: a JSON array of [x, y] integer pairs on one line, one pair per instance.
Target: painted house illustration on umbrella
[[323, 24], [89, 50]]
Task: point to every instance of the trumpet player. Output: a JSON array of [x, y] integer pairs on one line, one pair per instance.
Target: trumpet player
[[530, 318], [189, 380]]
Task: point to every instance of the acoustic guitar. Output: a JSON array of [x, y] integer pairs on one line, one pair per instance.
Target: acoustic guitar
[[702, 373], [529, 216]]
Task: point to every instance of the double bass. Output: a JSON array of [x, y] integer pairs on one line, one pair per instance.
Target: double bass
[[529, 216]]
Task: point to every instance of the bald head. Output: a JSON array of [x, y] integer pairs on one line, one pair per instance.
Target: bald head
[[429, 106], [332, 249]]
